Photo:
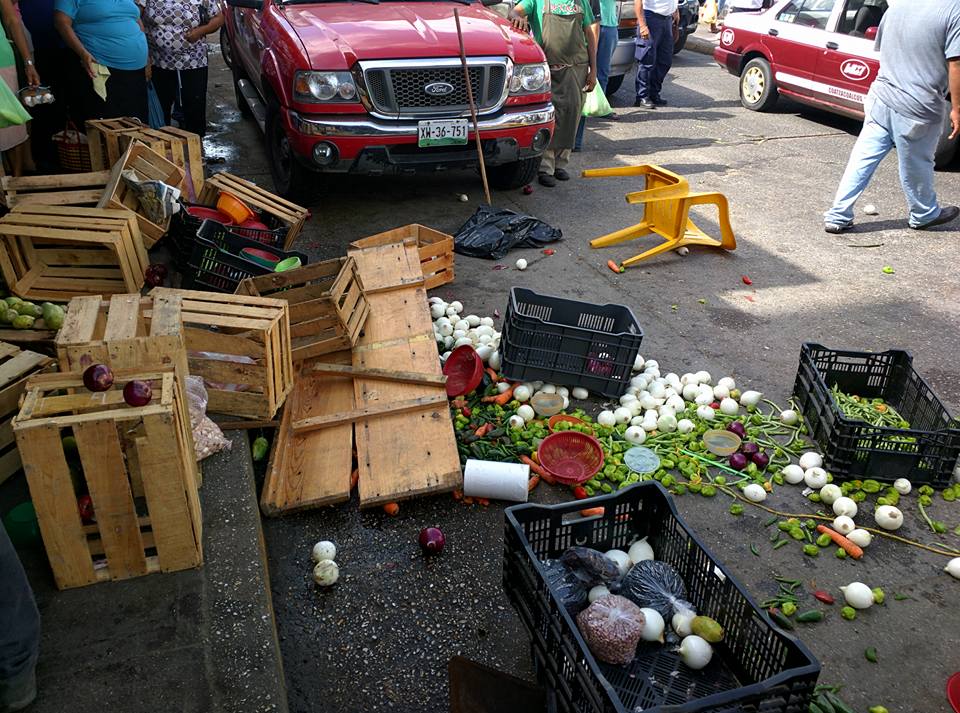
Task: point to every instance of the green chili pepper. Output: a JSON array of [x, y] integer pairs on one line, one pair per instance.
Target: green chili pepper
[[606, 487], [900, 597], [754, 550], [811, 550], [797, 533], [784, 526], [870, 655], [810, 617], [780, 544], [840, 554], [780, 620], [824, 540]]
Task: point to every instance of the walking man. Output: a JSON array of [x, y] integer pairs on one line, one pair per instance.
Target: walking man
[[655, 19], [919, 43]]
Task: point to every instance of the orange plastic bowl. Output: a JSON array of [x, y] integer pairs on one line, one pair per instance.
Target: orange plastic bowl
[[464, 370], [570, 456], [554, 420], [238, 211]]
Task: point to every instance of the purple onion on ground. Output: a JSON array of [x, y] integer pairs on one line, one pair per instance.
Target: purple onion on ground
[[738, 461], [748, 448], [432, 540], [738, 428], [761, 459]]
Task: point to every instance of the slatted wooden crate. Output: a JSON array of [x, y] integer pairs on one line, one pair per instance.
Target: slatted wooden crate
[[58, 252], [103, 138], [183, 148], [119, 449], [15, 368], [240, 345], [60, 189], [435, 248], [327, 304], [148, 165], [269, 205]]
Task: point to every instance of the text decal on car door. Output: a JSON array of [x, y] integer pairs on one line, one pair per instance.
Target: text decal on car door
[[855, 69]]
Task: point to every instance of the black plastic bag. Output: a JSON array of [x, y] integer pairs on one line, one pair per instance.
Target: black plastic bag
[[491, 232], [571, 589], [656, 585], [591, 566]]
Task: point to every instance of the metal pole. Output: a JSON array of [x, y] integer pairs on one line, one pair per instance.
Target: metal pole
[[473, 108]]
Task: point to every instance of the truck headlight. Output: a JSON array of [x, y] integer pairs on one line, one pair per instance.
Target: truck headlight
[[324, 87], [530, 78]]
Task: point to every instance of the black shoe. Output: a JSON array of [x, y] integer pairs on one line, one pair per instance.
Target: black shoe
[[547, 180], [577, 149], [645, 103], [561, 174], [658, 101], [19, 693], [947, 213], [837, 228]]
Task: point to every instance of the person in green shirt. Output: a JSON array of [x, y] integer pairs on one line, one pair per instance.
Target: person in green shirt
[[606, 44], [566, 30]]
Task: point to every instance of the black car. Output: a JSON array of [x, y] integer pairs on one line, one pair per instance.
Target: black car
[[689, 17]]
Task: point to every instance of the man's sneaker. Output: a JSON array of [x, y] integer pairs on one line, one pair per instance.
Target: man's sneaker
[[17, 694], [547, 180], [660, 101], [947, 213], [645, 103], [561, 174], [837, 228]]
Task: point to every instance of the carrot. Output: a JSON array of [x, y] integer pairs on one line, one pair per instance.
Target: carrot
[[483, 501], [533, 482], [849, 547], [483, 430], [457, 494], [614, 266], [458, 403], [391, 509], [493, 375], [499, 399], [590, 512], [467, 500], [539, 470], [354, 478]]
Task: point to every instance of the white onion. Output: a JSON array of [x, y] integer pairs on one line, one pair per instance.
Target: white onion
[[676, 403], [484, 351], [495, 360], [695, 652], [830, 493], [486, 321], [888, 517], [628, 399], [522, 393], [902, 486], [666, 410], [652, 625], [792, 474], [637, 420], [789, 417], [640, 551], [667, 423], [548, 389], [516, 421], [657, 390], [681, 622], [622, 415], [649, 425], [815, 478], [755, 493], [844, 525], [448, 342], [619, 558], [749, 399], [596, 592], [727, 382], [648, 402], [704, 399], [721, 392], [688, 378], [860, 537], [706, 413], [463, 342], [729, 407], [526, 412], [446, 329], [635, 435], [845, 506], [638, 363], [651, 364], [324, 550], [563, 391], [461, 324], [456, 306], [858, 595], [326, 573], [704, 377], [953, 567], [810, 459], [437, 310], [690, 392], [580, 393], [605, 418], [685, 425]]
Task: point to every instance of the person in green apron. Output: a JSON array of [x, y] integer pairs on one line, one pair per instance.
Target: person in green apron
[[566, 31], [13, 117]]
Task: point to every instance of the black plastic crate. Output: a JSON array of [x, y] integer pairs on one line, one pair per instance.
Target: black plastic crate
[[184, 228], [217, 266], [569, 342], [757, 667], [925, 453]]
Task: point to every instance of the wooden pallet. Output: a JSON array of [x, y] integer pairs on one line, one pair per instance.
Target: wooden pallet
[[103, 139], [409, 454], [435, 249], [116, 446], [327, 304], [252, 335], [268, 204], [15, 368], [58, 252], [148, 165], [183, 148], [60, 189]]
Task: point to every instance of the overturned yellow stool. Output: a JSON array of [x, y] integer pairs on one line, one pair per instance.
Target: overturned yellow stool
[[666, 201]]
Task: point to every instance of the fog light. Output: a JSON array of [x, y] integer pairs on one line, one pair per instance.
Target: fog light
[[325, 154], [541, 139]]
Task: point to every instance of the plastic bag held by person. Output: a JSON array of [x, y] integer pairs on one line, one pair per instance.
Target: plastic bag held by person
[[492, 232], [612, 627]]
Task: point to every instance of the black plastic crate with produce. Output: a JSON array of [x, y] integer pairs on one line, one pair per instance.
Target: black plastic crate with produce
[[184, 228], [569, 342], [756, 667], [218, 265], [925, 453]]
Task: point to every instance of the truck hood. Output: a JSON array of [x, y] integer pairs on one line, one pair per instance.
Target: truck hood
[[336, 34]]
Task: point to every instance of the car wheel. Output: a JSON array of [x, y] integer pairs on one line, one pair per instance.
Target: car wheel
[[291, 179], [225, 47], [758, 91], [513, 175], [614, 84]]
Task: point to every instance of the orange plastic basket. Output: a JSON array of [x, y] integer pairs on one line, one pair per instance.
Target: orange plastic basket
[[554, 420], [570, 456], [238, 211]]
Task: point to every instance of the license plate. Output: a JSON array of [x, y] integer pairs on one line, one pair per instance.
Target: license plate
[[449, 132]]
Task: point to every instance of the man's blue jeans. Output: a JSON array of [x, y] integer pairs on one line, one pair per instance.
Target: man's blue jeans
[[916, 144], [605, 47], [19, 622], [654, 55]]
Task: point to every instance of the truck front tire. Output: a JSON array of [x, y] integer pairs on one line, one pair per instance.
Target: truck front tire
[[510, 176], [291, 179]]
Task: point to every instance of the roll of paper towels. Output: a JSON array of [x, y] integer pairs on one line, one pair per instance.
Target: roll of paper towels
[[496, 481]]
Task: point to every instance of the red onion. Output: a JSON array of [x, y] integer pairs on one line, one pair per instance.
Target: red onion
[[155, 274], [738, 461], [98, 377], [715, 405], [761, 459], [432, 540], [738, 428], [137, 393], [748, 448], [85, 506]]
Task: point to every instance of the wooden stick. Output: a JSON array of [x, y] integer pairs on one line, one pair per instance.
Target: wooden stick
[[403, 377], [387, 409], [473, 108]]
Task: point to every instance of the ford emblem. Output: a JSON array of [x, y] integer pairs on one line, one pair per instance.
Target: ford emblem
[[438, 89]]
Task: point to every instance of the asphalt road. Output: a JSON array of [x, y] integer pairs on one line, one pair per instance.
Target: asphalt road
[[382, 637]]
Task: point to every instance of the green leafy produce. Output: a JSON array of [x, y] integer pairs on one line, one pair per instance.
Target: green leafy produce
[[259, 448]]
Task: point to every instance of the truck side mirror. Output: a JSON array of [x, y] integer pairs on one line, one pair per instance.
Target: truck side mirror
[[251, 4]]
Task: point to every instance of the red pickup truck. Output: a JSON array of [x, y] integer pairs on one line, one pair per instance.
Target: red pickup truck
[[377, 87]]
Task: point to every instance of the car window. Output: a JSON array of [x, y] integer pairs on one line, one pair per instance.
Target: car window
[[860, 15], [808, 13]]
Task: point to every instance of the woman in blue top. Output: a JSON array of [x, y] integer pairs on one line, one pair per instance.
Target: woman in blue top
[[108, 37]]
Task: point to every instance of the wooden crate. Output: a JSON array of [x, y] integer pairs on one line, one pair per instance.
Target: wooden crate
[[116, 446], [283, 211], [327, 304], [183, 148], [103, 138], [240, 345], [58, 252], [435, 248], [60, 189], [148, 165], [15, 368]]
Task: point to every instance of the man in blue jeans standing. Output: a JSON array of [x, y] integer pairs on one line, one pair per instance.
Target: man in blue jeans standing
[[655, 19], [919, 43], [19, 632]]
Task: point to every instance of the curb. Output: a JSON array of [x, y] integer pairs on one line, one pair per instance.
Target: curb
[[700, 45]]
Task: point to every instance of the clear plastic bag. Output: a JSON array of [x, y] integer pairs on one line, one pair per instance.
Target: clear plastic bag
[[612, 627], [571, 589], [656, 585], [207, 436], [590, 565]]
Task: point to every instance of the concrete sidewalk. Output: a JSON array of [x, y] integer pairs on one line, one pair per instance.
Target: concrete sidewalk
[[703, 41], [194, 641]]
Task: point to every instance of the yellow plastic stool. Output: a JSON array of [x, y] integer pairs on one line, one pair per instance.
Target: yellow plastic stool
[[667, 201]]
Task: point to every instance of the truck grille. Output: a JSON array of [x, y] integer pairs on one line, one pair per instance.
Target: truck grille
[[401, 90]]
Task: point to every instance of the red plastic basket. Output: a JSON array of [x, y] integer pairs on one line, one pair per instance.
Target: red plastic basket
[[570, 456], [464, 370]]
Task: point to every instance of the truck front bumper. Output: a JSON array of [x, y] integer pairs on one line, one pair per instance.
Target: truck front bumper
[[363, 144]]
